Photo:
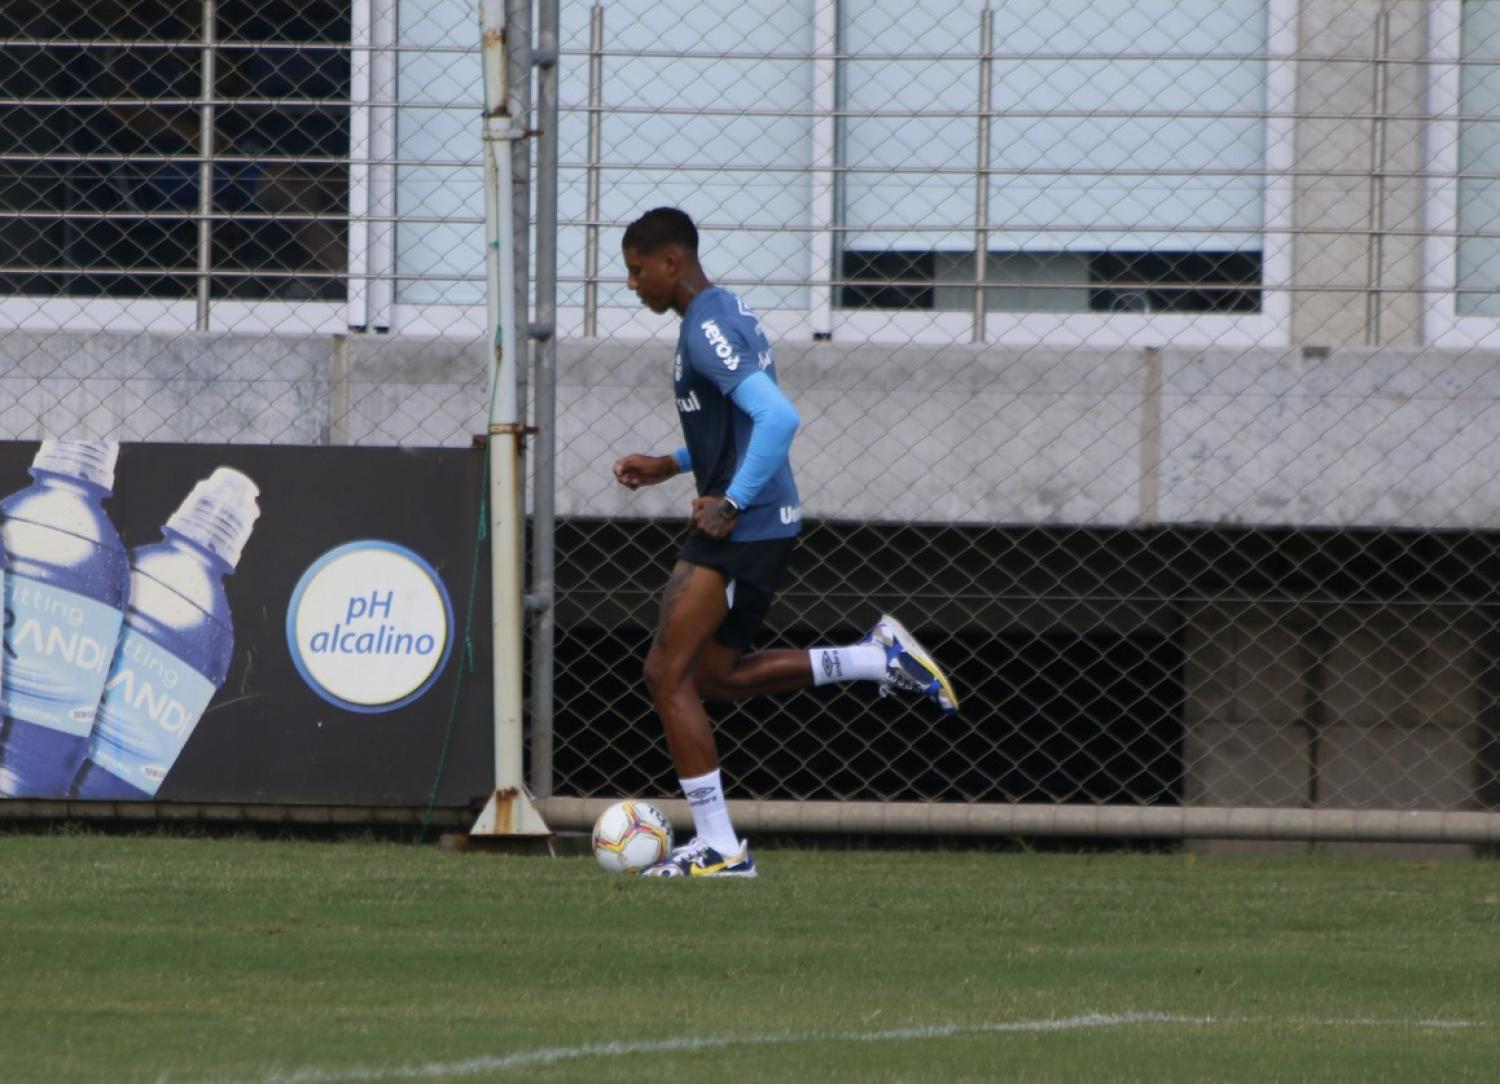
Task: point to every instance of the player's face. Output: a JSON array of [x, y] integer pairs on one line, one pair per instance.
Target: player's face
[[653, 276]]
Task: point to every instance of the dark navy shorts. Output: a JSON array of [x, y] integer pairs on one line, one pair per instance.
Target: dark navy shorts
[[754, 571]]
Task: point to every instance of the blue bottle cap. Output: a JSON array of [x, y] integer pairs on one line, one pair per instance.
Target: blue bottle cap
[[219, 513], [87, 460]]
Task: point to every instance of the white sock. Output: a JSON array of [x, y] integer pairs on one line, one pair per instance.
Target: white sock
[[705, 796], [862, 662]]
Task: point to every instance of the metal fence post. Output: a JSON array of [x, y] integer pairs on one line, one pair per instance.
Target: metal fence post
[[591, 198], [1375, 255], [509, 810], [982, 174], [544, 333], [206, 164]]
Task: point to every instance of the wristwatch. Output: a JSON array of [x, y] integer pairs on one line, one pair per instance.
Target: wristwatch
[[728, 509]]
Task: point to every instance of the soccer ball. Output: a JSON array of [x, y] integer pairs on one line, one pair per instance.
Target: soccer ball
[[629, 836]]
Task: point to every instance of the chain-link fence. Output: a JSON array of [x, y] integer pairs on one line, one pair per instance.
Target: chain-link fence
[[1143, 349], [1138, 352]]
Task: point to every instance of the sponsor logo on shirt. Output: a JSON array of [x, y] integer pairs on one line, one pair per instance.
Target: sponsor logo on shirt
[[747, 314], [791, 513], [720, 345], [689, 404], [677, 368]]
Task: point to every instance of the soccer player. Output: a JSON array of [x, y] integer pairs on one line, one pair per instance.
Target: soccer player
[[737, 426]]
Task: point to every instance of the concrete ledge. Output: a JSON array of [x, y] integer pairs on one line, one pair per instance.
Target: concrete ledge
[[25, 809]]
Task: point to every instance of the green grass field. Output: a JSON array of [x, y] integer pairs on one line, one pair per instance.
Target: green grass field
[[159, 959]]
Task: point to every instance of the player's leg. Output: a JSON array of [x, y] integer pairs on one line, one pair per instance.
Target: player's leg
[[888, 655], [728, 670], [693, 605], [726, 673]]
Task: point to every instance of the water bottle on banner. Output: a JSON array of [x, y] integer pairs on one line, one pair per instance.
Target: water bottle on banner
[[65, 588], [177, 642]]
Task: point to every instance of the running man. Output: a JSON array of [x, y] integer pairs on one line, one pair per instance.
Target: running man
[[737, 425]]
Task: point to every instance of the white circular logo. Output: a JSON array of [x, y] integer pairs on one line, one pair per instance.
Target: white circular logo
[[370, 626]]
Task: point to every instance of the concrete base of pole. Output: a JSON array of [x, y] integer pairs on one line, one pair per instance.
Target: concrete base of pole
[[510, 812]]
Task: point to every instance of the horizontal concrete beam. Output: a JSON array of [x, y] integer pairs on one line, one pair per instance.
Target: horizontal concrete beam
[[1254, 436], [1081, 821]]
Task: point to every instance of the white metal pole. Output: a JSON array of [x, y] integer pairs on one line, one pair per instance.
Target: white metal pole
[[510, 811], [591, 183], [207, 81], [825, 248], [982, 172], [361, 62], [372, 150]]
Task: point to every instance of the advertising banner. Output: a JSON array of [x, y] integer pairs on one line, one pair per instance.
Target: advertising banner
[[237, 623]]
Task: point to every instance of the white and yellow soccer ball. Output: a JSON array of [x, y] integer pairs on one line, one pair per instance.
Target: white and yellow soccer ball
[[631, 835]]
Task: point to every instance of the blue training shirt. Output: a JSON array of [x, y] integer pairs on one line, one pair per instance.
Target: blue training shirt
[[722, 354]]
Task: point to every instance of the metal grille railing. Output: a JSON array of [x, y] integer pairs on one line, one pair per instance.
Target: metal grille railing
[[173, 150], [199, 202], [1136, 352]]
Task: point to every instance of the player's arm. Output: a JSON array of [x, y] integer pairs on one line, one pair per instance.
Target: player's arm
[[773, 424], [636, 470]]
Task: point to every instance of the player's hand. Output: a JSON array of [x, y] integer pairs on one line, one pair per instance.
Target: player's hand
[[635, 470], [709, 518]]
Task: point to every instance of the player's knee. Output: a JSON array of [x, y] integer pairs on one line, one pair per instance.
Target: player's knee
[[652, 673], [663, 675]]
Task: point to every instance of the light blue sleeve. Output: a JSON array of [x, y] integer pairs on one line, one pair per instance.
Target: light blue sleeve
[[684, 459], [774, 422]]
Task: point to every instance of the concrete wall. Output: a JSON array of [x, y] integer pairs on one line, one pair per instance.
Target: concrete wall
[[1324, 707], [967, 434], [211, 388]]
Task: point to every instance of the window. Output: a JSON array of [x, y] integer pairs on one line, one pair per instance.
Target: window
[[1117, 281], [1126, 161], [722, 130], [1479, 162], [129, 104]]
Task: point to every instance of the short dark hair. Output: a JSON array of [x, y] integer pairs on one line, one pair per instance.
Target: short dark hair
[[659, 227]]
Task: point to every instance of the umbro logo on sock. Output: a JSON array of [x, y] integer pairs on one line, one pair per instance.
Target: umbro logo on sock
[[699, 795], [831, 665]]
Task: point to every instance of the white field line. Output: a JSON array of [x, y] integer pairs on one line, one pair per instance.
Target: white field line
[[551, 1055]]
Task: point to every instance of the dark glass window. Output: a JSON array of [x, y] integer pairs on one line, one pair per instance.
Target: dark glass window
[[102, 179], [887, 280], [1174, 282], [1141, 282]]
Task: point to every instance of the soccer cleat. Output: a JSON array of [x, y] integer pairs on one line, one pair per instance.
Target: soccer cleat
[[696, 858], [908, 666]]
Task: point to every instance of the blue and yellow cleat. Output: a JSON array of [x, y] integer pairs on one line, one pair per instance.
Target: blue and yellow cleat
[[696, 858], [908, 666]]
